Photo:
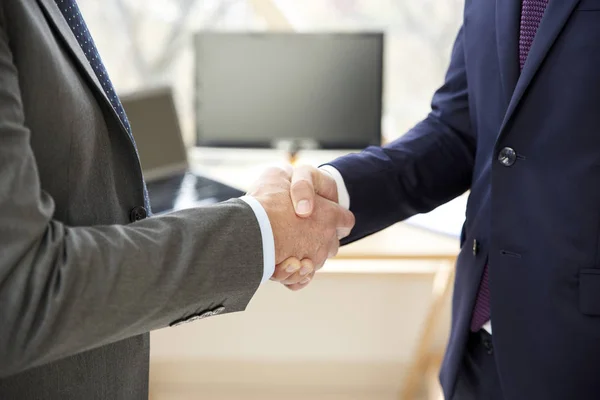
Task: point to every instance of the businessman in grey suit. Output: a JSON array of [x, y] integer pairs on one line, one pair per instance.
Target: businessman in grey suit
[[84, 274]]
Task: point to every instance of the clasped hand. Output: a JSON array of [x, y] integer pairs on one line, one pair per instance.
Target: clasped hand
[[306, 220]]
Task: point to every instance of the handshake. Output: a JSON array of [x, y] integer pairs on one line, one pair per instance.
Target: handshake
[[306, 220]]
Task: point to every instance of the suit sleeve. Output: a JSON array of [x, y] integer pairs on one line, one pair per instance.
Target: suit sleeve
[[426, 167], [65, 290]]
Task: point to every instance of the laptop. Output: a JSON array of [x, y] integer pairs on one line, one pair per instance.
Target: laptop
[[163, 155]]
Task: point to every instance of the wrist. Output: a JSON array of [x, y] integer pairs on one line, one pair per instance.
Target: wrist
[[266, 234], [342, 195], [335, 197], [274, 213]]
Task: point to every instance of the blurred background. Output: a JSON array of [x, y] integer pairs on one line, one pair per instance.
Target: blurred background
[[212, 78]]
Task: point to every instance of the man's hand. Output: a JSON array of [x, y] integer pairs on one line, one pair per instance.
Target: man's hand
[[311, 239], [294, 274], [307, 183]]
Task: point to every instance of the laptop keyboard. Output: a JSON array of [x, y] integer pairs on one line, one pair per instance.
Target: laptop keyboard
[[187, 190]]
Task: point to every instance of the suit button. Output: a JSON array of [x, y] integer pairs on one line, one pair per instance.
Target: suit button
[[137, 214], [488, 346], [475, 247], [212, 313], [218, 310], [507, 156]]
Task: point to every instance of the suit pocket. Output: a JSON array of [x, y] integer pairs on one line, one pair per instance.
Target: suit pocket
[[589, 291], [588, 5]]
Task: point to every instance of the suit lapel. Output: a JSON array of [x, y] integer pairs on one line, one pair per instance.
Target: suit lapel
[[554, 19], [508, 14], [63, 31], [61, 27]]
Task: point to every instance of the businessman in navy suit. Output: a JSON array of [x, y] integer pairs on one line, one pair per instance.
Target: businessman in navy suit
[[516, 122]]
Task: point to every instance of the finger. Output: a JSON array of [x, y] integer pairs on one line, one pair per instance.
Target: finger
[[335, 215], [344, 222], [302, 284], [278, 175], [325, 185], [286, 269], [333, 248], [282, 171], [304, 272], [287, 169], [303, 190], [321, 256]]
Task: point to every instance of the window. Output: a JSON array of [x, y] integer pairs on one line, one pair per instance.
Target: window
[[149, 42]]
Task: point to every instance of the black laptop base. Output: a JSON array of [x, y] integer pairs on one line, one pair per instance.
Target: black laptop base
[[187, 189]]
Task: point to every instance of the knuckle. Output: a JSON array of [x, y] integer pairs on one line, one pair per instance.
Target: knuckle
[[321, 256], [323, 252], [333, 252], [330, 233], [302, 185], [278, 276], [277, 171], [304, 168], [287, 169], [272, 170], [351, 218]]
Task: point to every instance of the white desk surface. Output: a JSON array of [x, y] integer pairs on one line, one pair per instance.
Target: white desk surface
[[428, 236]]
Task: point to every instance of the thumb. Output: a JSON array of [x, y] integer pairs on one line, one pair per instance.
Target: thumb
[[303, 190]]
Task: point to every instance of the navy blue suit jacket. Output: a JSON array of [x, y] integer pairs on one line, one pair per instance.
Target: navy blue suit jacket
[[536, 216]]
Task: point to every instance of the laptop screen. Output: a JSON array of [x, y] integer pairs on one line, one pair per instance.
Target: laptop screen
[[155, 126]]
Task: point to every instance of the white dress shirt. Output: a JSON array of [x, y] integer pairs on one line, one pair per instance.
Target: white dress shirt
[[266, 233], [343, 195]]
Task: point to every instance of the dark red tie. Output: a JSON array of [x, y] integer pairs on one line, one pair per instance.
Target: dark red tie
[[532, 12]]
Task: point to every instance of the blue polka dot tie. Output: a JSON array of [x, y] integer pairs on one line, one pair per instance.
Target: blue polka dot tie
[[72, 15]]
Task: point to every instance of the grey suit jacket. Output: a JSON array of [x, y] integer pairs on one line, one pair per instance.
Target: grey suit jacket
[[80, 285]]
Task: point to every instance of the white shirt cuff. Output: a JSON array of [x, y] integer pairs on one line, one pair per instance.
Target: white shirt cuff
[[343, 195], [266, 233]]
